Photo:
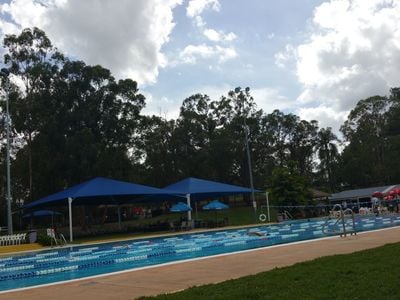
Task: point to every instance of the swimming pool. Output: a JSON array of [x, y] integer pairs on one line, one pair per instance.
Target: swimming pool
[[78, 262]]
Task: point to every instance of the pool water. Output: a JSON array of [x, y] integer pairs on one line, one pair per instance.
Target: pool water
[[78, 262]]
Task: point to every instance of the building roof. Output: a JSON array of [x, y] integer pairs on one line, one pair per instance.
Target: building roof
[[319, 194], [361, 193]]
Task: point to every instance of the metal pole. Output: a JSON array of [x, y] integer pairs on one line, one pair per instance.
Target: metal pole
[[70, 218], [9, 214], [246, 136], [5, 73], [250, 174], [189, 213], [268, 214], [119, 217]]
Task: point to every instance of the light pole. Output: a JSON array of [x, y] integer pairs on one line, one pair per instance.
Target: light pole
[[242, 97], [5, 73]]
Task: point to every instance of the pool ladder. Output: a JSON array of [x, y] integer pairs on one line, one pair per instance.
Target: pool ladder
[[340, 215], [61, 238]]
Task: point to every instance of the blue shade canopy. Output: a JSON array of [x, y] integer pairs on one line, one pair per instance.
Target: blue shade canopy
[[180, 207], [215, 205], [201, 189], [41, 213], [98, 191]]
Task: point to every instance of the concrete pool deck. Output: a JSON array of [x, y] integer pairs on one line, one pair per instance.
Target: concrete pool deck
[[179, 276]]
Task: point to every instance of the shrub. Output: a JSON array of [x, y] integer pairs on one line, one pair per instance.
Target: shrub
[[44, 240]]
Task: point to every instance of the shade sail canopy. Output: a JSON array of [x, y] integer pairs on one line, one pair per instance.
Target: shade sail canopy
[[201, 189], [98, 191], [215, 205], [180, 207], [41, 213]]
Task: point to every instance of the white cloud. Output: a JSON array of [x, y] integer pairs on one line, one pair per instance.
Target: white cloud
[[269, 99], [352, 52], [196, 7], [192, 53], [217, 36], [163, 107], [127, 38], [326, 116], [284, 58]]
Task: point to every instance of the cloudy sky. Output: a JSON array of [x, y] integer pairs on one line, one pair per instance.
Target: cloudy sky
[[313, 58]]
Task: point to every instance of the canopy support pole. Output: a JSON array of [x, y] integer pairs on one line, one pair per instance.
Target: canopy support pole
[[70, 218], [268, 214], [189, 213], [119, 217]]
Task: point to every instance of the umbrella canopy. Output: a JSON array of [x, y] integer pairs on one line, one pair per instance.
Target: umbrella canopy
[[200, 189], [41, 213], [180, 207], [215, 205], [98, 191], [377, 194]]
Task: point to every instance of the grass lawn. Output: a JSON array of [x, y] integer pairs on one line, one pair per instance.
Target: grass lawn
[[369, 274]]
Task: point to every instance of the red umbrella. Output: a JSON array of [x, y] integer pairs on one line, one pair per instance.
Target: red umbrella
[[390, 197], [385, 198], [377, 194], [392, 193], [397, 191]]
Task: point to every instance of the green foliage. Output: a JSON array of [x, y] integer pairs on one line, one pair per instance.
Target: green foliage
[[44, 240], [289, 187], [72, 117], [372, 143], [73, 121], [361, 275]]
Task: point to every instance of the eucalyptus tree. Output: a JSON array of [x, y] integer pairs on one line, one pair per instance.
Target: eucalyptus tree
[[292, 139], [328, 155], [194, 131], [239, 117], [33, 60], [159, 155], [95, 122], [77, 120], [363, 161]]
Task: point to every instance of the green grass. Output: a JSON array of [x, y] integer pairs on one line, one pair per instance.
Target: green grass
[[369, 274]]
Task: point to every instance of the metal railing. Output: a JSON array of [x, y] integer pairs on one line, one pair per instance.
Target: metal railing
[[340, 217]]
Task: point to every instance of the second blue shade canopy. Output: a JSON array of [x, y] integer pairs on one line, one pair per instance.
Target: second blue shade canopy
[[215, 205], [180, 207]]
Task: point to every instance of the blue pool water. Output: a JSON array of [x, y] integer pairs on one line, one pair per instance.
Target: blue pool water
[[77, 262]]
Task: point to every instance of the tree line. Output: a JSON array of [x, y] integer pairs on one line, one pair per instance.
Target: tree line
[[72, 122]]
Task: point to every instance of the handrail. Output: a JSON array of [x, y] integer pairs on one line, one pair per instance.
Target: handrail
[[62, 238], [340, 216], [288, 215], [349, 211]]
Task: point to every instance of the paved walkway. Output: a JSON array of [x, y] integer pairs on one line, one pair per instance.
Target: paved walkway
[[175, 277]]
